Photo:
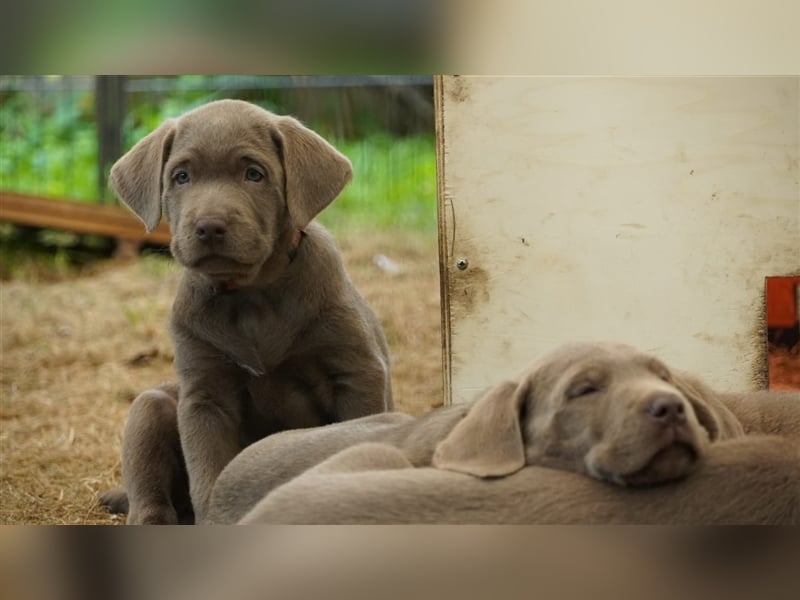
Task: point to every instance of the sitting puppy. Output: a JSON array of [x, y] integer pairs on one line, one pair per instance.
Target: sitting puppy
[[605, 410], [269, 331]]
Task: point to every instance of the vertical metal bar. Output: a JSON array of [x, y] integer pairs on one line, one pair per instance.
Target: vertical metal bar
[[110, 105]]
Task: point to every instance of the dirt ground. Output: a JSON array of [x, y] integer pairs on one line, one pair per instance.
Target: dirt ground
[[76, 352]]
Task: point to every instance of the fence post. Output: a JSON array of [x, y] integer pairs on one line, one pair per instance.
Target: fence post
[[110, 101]]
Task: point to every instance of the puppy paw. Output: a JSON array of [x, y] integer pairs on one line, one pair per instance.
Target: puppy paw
[[153, 515], [114, 501]]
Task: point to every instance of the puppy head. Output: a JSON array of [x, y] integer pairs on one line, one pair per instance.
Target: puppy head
[[235, 183], [606, 410]]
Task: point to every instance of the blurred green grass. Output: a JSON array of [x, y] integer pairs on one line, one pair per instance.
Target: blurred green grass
[[394, 185]]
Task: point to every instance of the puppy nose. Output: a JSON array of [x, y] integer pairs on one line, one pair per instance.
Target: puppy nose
[[208, 230], [666, 409]]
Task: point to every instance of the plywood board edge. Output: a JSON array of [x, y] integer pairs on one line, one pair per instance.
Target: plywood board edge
[[441, 202]]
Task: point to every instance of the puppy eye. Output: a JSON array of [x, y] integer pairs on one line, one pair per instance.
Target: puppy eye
[[583, 389], [181, 177], [253, 174]]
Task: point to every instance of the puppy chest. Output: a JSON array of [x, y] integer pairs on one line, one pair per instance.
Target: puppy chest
[[288, 398], [268, 327], [251, 316]]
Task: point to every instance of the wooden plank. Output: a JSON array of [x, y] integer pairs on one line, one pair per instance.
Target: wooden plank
[[645, 210], [56, 213]]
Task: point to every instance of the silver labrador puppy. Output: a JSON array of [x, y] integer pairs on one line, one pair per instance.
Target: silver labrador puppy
[[269, 331], [602, 409]]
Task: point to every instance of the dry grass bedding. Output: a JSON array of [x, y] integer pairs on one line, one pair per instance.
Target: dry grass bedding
[[77, 351]]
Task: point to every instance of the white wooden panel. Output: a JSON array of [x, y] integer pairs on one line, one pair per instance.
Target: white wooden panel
[[646, 210]]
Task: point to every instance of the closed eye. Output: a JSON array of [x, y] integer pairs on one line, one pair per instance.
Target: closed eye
[[660, 371], [586, 388]]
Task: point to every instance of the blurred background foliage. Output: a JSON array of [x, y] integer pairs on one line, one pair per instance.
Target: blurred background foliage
[[55, 132], [50, 132]]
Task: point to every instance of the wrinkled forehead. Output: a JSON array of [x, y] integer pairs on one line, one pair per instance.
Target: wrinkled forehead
[[215, 133], [572, 359], [219, 128]]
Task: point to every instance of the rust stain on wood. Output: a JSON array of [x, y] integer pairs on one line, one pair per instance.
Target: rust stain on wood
[[458, 89], [469, 288]]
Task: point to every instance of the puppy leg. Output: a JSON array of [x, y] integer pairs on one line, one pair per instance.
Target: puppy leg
[[153, 470], [368, 456], [209, 438], [115, 501]]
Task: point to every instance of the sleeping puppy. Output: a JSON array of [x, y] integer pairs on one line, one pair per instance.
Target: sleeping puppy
[[750, 480], [605, 410], [269, 331], [775, 413]]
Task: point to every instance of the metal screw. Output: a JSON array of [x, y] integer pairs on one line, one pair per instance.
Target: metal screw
[[462, 264]]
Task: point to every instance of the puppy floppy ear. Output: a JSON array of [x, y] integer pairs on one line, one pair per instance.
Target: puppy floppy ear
[[136, 178], [712, 414], [315, 172], [487, 442]]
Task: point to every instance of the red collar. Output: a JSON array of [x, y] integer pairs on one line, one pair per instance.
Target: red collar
[[297, 237]]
